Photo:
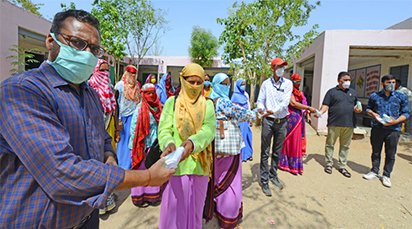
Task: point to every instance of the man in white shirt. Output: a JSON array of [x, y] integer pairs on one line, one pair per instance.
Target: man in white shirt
[[272, 103]]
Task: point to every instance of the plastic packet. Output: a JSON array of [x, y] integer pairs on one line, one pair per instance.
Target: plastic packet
[[173, 159], [359, 105], [318, 114], [387, 118]]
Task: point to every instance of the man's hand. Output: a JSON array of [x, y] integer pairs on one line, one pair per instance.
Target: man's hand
[[169, 149], [109, 158], [120, 126], [392, 122], [159, 174], [357, 110], [117, 136], [269, 112], [260, 111], [188, 145]]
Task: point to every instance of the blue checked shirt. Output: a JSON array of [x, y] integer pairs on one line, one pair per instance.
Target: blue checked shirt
[[395, 105], [52, 144]]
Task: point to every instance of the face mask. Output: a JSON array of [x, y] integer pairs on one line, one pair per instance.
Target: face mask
[[346, 84], [207, 83], [153, 80], [279, 72], [73, 65], [390, 87], [243, 87], [192, 91], [222, 89]]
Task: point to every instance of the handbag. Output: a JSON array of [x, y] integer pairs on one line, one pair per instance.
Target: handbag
[[153, 154], [228, 139]]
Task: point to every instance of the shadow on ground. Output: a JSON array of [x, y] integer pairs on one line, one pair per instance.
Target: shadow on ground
[[320, 159], [406, 157]]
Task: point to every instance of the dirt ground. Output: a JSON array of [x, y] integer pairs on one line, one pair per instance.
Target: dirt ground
[[313, 200]]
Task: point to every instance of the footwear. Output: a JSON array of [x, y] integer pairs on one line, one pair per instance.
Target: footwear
[[250, 159], [110, 203], [277, 182], [345, 172], [102, 211], [328, 169], [386, 181], [266, 190], [370, 176]]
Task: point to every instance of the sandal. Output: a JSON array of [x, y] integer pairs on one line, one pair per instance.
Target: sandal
[[328, 169], [345, 172]]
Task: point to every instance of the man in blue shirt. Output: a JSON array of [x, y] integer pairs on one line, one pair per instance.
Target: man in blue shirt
[[389, 108], [57, 165]]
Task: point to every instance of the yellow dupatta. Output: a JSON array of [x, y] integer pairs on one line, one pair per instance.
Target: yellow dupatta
[[191, 109]]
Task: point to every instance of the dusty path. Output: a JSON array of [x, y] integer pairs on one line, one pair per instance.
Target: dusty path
[[314, 200]]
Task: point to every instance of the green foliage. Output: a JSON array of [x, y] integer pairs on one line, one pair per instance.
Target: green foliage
[[203, 47], [259, 31], [20, 58], [71, 6], [128, 25], [146, 25], [29, 6], [113, 33]]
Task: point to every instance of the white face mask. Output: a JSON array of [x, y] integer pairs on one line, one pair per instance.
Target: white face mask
[[280, 71], [346, 84]]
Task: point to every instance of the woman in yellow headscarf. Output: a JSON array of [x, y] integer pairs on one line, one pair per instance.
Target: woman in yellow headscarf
[[187, 120]]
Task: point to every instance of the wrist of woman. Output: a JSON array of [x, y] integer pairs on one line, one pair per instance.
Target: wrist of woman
[[149, 178]]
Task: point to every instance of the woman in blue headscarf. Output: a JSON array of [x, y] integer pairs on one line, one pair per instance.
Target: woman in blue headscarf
[[227, 193], [241, 98], [165, 88]]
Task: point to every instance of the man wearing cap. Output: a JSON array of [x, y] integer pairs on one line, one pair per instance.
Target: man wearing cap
[[272, 103]]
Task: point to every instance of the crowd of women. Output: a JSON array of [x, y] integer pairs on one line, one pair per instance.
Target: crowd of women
[[151, 120]]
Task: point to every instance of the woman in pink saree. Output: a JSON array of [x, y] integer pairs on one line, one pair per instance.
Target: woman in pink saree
[[294, 146]]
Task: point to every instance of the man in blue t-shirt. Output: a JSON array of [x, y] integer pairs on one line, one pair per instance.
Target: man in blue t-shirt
[[389, 108]]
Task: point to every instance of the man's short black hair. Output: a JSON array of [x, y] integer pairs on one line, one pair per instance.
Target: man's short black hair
[[342, 74], [387, 77], [398, 81], [79, 15]]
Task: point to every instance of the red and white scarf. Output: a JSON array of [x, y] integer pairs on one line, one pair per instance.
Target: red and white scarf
[[100, 81]]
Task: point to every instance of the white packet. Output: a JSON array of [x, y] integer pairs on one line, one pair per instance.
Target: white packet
[[318, 113], [387, 118], [173, 159], [359, 105]]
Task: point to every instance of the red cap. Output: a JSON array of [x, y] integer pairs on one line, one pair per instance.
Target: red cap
[[296, 77], [132, 69], [278, 61]]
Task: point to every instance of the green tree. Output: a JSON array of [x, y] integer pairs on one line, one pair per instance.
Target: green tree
[[71, 6], [113, 33], [146, 25], [20, 58], [256, 32], [29, 6], [203, 47], [132, 26]]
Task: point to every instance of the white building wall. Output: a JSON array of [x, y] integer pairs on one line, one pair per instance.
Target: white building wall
[[331, 51], [11, 18]]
